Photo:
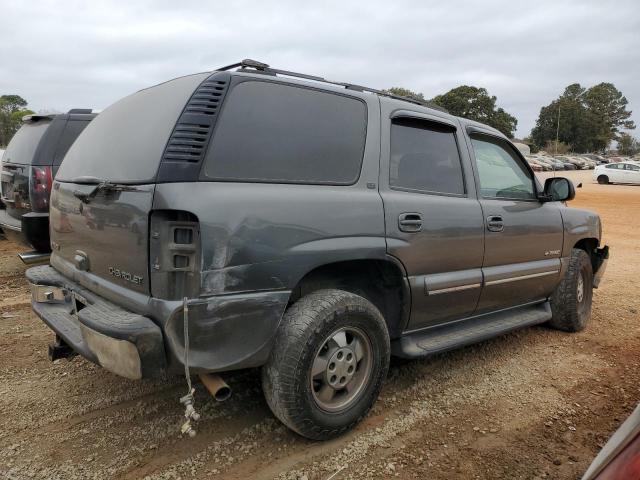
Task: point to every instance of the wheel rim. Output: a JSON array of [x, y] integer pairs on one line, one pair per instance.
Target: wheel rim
[[341, 369], [580, 288]]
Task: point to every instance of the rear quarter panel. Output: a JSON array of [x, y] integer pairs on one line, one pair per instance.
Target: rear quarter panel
[[267, 236]]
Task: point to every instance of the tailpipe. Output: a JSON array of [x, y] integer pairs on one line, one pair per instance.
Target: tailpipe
[[217, 387], [34, 258]]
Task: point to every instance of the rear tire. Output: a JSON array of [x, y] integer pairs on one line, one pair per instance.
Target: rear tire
[[603, 179], [328, 363], [571, 300]]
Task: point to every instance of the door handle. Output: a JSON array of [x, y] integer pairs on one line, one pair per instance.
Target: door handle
[[410, 222], [495, 223]]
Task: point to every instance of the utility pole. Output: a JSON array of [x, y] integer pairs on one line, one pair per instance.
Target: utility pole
[[558, 127]]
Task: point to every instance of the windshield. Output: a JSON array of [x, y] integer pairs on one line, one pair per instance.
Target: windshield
[[124, 144], [22, 147]]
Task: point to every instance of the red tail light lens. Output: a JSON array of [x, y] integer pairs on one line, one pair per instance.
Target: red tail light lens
[[40, 188]]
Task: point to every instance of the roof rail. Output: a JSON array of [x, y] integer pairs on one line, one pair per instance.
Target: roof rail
[[265, 68]]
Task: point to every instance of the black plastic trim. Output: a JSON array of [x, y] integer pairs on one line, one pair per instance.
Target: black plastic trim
[[187, 145]]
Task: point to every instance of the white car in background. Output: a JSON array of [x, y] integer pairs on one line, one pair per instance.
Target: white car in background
[[622, 172]]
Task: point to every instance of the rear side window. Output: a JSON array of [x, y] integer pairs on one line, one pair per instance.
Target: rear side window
[[425, 158], [23, 145], [124, 144], [615, 166], [269, 132], [69, 135]]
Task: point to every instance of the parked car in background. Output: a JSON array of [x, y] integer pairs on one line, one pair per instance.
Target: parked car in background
[[260, 223], [554, 163], [548, 166], [623, 172], [599, 159], [30, 163], [578, 163], [535, 165], [542, 160]]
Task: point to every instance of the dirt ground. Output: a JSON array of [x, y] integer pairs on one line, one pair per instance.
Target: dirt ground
[[536, 403]]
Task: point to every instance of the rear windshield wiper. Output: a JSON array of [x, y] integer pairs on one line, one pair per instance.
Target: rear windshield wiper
[[100, 186]]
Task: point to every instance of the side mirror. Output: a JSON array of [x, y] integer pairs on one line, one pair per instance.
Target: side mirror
[[558, 189]]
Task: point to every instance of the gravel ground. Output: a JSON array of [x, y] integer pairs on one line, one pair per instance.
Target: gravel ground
[[532, 404]]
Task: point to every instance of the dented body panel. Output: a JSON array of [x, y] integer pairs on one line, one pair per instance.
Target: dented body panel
[[253, 240]]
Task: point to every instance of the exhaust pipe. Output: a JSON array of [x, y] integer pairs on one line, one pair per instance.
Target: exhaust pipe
[[217, 387], [34, 258]]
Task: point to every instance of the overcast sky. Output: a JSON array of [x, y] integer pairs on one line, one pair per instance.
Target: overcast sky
[[64, 54]]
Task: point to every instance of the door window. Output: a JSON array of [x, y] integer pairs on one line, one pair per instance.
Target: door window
[[502, 174], [629, 166], [425, 158], [615, 166]]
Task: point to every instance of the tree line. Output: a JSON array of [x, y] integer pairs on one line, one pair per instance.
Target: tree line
[[12, 109], [581, 120]]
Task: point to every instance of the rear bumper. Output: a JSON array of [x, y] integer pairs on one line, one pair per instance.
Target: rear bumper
[[600, 264], [31, 229], [7, 222], [122, 342], [227, 332]]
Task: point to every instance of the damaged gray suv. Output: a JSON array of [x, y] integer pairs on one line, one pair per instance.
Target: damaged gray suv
[[253, 217]]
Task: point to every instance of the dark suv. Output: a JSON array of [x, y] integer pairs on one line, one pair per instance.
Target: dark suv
[[252, 217], [29, 165]]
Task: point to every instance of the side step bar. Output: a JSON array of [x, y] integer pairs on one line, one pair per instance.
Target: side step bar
[[472, 330]]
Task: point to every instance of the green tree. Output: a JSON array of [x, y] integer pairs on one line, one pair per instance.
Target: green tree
[[628, 145], [12, 109], [609, 108], [586, 120], [476, 104]]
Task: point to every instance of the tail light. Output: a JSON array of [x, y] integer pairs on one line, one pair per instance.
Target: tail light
[[40, 188], [174, 248]]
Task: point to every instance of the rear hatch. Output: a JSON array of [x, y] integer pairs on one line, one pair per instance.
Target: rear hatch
[[103, 193], [17, 168]]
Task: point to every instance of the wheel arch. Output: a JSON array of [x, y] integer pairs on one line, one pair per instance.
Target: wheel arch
[[589, 245], [381, 281]]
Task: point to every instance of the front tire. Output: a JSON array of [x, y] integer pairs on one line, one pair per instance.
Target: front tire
[[571, 300], [328, 363], [603, 180]]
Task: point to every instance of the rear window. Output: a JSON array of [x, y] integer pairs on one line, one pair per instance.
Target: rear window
[[23, 145], [269, 132], [71, 132], [125, 142]]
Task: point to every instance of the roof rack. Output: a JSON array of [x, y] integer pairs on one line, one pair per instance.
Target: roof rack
[[264, 68]]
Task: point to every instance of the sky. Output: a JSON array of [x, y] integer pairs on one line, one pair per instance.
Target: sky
[[65, 54]]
